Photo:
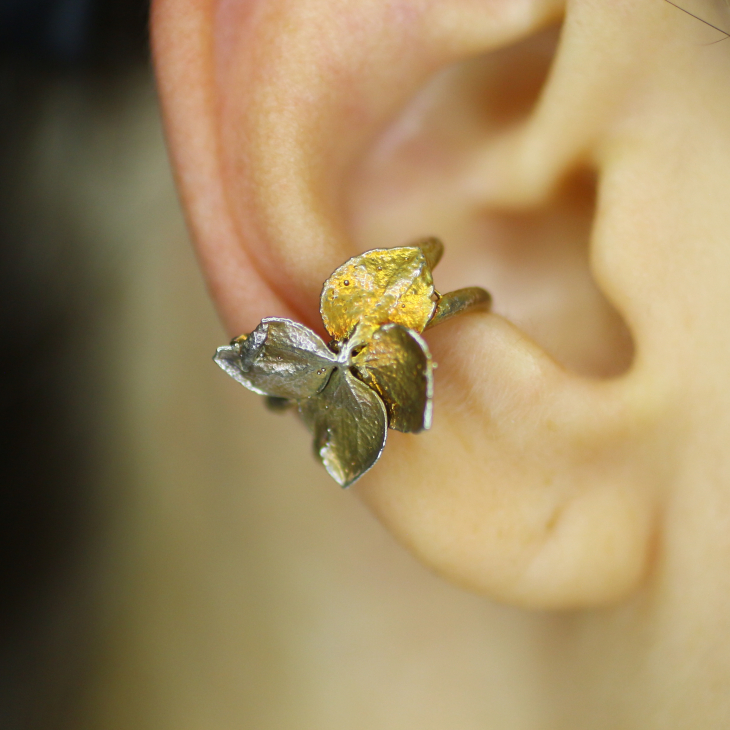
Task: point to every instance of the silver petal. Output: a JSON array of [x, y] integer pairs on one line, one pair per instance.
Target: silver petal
[[350, 425], [280, 358]]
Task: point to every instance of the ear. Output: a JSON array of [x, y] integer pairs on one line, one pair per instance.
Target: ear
[[305, 131]]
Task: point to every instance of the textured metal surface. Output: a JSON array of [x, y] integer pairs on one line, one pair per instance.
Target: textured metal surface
[[280, 358], [383, 285], [349, 424], [433, 250], [376, 373], [396, 363], [458, 302]]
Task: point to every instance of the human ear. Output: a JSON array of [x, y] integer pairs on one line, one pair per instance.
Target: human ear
[[305, 131]]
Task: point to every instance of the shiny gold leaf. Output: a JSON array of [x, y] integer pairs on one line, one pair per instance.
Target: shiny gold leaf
[[396, 363], [349, 423], [383, 285]]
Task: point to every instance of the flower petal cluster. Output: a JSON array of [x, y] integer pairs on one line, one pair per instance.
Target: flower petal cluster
[[376, 372]]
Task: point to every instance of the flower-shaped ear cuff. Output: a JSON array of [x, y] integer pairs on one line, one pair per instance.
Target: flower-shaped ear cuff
[[375, 373]]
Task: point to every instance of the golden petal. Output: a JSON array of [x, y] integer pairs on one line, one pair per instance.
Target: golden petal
[[379, 286], [397, 364], [349, 424]]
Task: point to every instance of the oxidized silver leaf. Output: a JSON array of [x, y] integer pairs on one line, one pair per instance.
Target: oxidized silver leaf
[[396, 363], [280, 358], [349, 423]]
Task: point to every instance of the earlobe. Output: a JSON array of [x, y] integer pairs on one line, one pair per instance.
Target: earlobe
[[530, 487]]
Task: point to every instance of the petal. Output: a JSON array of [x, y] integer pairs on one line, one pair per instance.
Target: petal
[[383, 285], [280, 358], [349, 424], [397, 364]]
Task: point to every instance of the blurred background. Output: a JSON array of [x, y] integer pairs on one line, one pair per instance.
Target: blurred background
[[71, 192], [172, 556]]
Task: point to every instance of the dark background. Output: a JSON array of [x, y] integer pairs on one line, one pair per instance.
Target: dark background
[[47, 297]]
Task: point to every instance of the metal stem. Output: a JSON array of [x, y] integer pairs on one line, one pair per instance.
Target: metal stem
[[458, 302]]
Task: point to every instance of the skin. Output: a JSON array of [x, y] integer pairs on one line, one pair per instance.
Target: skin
[[578, 465]]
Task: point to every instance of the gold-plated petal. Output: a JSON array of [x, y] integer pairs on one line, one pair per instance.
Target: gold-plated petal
[[383, 285], [397, 364], [349, 424], [280, 358]]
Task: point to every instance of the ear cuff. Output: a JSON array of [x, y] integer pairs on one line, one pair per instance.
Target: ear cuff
[[375, 373]]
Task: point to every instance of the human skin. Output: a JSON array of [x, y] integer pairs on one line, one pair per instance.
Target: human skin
[[578, 461]]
